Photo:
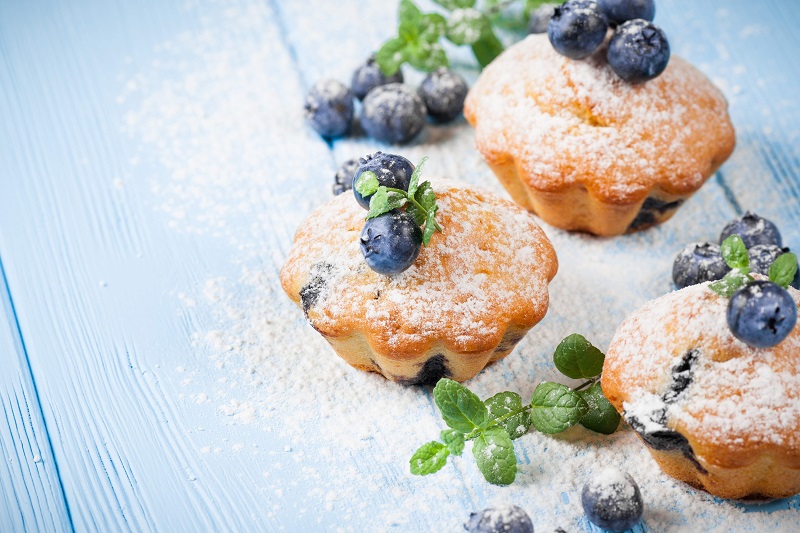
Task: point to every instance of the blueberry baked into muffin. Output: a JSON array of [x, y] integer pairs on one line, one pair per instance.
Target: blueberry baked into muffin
[[412, 313], [587, 150], [712, 387]]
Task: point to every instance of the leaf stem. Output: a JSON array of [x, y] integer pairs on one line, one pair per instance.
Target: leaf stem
[[497, 421], [585, 384]]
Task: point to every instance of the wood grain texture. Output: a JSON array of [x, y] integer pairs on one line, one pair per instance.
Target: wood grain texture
[[95, 268]]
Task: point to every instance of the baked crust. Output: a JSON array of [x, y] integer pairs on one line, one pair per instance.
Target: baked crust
[[467, 300], [584, 149], [714, 412]]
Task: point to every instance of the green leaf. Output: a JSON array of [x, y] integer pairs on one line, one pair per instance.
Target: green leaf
[[367, 183], [427, 56], [494, 453], [454, 440], [384, 201], [461, 409], [467, 26], [487, 48], [391, 55], [429, 458], [602, 417], [414, 180], [577, 358], [430, 226], [418, 214], [425, 196], [409, 17], [455, 4], [432, 26], [732, 282], [556, 407], [734, 252], [507, 402], [783, 269]]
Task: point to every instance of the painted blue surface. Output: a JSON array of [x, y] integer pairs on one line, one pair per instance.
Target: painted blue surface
[[96, 435]]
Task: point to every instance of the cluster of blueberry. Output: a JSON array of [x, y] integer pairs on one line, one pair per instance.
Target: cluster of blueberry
[[390, 243], [391, 111], [761, 313], [638, 51], [611, 500]]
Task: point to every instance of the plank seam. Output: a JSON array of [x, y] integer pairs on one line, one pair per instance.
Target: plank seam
[[27, 366]]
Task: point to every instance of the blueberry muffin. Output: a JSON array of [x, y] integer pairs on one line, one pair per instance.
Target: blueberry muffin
[[467, 300], [588, 151], [714, 412]]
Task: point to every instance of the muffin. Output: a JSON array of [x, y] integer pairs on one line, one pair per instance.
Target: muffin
[[467, 300], [714, 412], [587, 151]]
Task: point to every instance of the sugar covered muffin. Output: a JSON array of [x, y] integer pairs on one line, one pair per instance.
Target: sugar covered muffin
[[713, 411], [588, 151], [467, 300]]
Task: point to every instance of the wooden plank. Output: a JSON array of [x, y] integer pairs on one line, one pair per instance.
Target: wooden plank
[[31, 495]]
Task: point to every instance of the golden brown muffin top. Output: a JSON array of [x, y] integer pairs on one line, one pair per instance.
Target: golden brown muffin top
[[489, 268], [566, 121], [741, 401]]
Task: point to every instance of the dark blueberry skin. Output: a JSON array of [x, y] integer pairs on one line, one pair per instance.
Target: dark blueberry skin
[[369, 75], [753, 230], [392, 170], [698, 262], [391, 242], [612, 501], [540, 18], [393, 113], [577, 28], [762, 256], [329, 108], [761, 314], [443, 92], [619, 11], [343, 180], [510, 519], [638, 51]]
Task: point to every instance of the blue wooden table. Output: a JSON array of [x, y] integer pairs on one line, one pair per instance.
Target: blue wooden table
[[153, 168]]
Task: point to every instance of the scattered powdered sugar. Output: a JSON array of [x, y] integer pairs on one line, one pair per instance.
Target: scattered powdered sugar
[[221, 113]]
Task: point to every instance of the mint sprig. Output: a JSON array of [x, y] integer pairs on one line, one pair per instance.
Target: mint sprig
[[734, 252], [419, 200], [783, 269], [493, 424]]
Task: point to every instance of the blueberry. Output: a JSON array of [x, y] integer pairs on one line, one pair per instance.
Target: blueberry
[[577, 28], [500, 519], [612, 501], [443, 93], [329, 108], [343, 180], [369, 75], [540, 18], [753, 230], [761, 314], [393, 113], [391, 242], [619, 11], [698, 262], [638, 51], [762, 257], [392, 171]]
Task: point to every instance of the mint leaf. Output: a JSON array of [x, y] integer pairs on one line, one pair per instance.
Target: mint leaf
[[783, 269], [429, 458], [732, 282], [367, 183], [430, 226], [454, 4], [454, 440], [555, 407], [384, 201], [418, 214], [461, 409], [425, 196], [734, 252], [602, 417], [494, 453], [414, 181], [487, 48], [432, 26], [409, 17], [391, 55], [507, 402], [576, 358], [466, 26], [427, 56]]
